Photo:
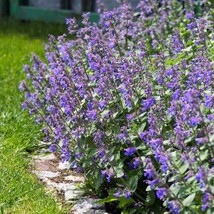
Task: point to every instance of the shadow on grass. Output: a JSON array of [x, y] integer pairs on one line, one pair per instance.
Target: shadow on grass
[[13, 27]]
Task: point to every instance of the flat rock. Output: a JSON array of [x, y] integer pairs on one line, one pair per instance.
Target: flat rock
[[74, 178], [87, 205], [45, 165], [46, 174], [62, 181], [72, 195], [62, 186], [45, 157], [63, 165]]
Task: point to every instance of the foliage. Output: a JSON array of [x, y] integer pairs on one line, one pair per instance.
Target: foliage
[[130, 102]]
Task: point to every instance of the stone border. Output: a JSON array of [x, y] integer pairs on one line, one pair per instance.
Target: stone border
[[64, 183]]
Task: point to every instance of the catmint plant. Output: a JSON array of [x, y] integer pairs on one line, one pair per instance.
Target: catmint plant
[[130, 102]]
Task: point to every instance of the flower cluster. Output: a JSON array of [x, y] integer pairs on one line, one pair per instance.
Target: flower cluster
[[130, 101]]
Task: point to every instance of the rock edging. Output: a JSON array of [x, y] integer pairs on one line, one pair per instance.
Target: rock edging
[[63, 182]]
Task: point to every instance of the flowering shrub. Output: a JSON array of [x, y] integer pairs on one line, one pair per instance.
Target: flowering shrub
[[130, 102]]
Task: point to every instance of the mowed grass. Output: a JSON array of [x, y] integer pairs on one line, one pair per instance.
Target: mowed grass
[[20, 192]]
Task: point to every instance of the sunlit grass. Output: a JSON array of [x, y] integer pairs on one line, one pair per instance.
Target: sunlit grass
[[20, 192]]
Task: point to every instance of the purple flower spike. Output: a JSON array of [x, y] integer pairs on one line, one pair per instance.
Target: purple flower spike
[[52, 148], [174, 206], [161, 193], [194, 121], [128, 194], [92, 115], [136, 162], [24, 105], [210, 117], [201, 140], [191, 25], [23, 86], [109, 176], [190, 15], [130, 116], [209, 101], [132, 95], [148, 103], [117, 194], [130, 151], [200, 176], [102, 104], [103, 173], [121, 136], [153, 183], [204, 207], [207, 199]]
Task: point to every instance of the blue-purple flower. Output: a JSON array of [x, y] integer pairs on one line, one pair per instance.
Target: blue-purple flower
[[52, 148], [162, 192], [136, 162], [194, 121], [129, 151], [117, 194], [126, 97], [127, 194]]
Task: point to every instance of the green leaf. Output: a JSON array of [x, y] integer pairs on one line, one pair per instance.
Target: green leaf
[[132, 183], [188, 49], [124, 201], [175, 177], [188, 140], [116, 157], [183, 168], [187, 201], [106, 200], [210, 211], [204, 155], [136, 100], [212, 139], [142, 147], [105, 112], [98, 180], [184, 191], [133, 137], [119, 173], [174, 189], [142, 115], [92, 152], [150, 199], [142, 127]]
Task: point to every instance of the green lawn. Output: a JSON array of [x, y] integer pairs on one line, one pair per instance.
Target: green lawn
[[20, 192]]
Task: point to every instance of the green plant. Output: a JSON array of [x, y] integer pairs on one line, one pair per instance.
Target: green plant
[[130, 102]]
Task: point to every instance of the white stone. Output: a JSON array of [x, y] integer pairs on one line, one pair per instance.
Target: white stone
[[87, 205], [71, 195], [44, 151], [44, 157], [46, 174], [74, 178], [42, 143], [64, 186], [52, 184], [63, 165]]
